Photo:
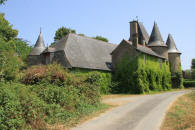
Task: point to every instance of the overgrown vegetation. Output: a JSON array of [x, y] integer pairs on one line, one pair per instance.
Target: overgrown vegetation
[[181, 115], [50, 95], [40, 96], [37, 106], [13, 51], [189, 83], [141, 74], [177, 80]]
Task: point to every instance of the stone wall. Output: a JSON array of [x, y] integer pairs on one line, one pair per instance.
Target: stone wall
[[60, 58], [35, 60], [122, 50], [161, 50]]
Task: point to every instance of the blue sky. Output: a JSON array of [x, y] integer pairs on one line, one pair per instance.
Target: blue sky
[[108, 18]]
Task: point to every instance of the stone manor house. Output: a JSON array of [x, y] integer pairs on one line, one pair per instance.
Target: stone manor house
[[74, 51]]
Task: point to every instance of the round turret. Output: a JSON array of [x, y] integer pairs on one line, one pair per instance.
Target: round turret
[[173, 55], [35, 56], [156, 42]]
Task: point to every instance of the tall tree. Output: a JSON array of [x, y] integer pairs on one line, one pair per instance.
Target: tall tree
[[63, 31], [193, 64], [193, 69], [6, 30], [101, 38]]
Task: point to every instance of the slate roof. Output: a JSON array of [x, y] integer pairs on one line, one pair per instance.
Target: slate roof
[[85, 52], [155, 37], [146, 50], [143, 32], [39, 46], [171, 45]]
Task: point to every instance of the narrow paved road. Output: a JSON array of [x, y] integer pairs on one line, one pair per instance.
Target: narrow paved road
[[138, 113]]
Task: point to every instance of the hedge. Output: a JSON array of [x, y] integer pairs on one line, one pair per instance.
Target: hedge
[[189, 83]]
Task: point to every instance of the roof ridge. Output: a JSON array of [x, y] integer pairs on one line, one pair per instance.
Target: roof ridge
[[92, 38]]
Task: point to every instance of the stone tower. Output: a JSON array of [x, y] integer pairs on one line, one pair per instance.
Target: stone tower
[[174, 55], [156, 42], [35, 56]]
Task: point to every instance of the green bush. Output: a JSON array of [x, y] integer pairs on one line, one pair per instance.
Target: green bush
[[12, 56], [33, 107], [136, 75], [56, 74], [177, 80], [189, 83], [100, 79]]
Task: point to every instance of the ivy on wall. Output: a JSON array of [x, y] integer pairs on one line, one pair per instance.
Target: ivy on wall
[[142, 74]]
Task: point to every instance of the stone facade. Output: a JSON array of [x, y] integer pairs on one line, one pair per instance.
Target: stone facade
[[175, 62], [74, 51], [122, 50], [162, 50]]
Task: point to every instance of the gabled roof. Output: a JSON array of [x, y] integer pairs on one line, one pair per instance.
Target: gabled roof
[[144, 49], [171, 45], [143, 32], [39, 46], [155, 37], [85, 52]]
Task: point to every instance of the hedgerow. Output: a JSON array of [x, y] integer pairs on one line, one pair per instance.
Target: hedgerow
[[189, 83], [136, 75], [33, 107]]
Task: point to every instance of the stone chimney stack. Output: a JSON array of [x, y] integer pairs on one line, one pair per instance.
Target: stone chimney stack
[[134, 33]]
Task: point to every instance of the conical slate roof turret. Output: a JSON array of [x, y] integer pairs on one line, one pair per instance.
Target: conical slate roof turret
[[155, 37], [171, 45], [39, 46]]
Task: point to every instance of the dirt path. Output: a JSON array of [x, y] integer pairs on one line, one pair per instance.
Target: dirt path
[[134, 113]]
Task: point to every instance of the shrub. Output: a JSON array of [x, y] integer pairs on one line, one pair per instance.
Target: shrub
[[32, 107], [53, 73], [177, 80], [100, 79], [189, 83]]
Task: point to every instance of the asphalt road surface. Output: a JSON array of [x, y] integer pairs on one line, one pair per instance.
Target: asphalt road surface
[[136, 113]]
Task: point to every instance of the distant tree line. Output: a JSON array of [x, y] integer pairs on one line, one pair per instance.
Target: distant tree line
[[190, 74]]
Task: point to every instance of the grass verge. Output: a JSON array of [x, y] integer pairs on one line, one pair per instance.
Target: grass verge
[[181, 115], [89, 113]]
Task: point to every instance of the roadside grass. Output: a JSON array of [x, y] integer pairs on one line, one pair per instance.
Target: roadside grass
[[130, 95], [181, 115], [88, 114]]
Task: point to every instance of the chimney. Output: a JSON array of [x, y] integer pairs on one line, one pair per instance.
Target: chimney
[[134, 33]]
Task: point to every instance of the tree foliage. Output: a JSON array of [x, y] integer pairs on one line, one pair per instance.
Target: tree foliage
[[13, 51], [101, 38], [63, 31], [6, 30], [2, 1], [193, 64], [193, 69]]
